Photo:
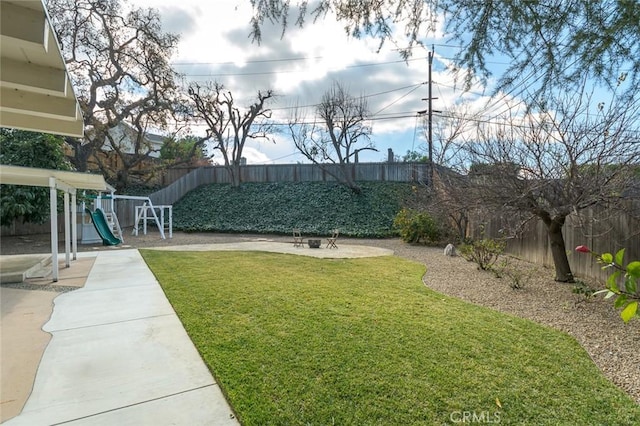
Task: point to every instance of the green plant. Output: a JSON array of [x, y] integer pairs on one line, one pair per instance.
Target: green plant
[[484, 252], [517, 276], [302, 340], [315, 207], [29, 149], [580, 287], [622, 282], [415, 226]]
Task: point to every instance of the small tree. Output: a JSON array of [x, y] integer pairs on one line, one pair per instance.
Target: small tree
[[483, 252], [555, 162], [415, 226], [445, 195], [339, 135], [450, 199], [188, 150], [229, 127], [449, 189]]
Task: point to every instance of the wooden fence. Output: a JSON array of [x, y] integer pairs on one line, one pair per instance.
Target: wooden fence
[[597, 228], [183, 180], [19, 228], [394, 172]]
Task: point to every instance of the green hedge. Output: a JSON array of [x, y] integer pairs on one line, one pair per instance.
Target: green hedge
[[277, 208]]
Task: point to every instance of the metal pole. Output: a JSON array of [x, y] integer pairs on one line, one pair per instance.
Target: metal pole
[[430, 112]]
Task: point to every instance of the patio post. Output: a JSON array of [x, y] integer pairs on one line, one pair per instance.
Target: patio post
[[67, 236], [53, 211], [74, 224]]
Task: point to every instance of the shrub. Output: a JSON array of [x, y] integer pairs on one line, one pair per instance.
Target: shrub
[[584, 289], [484, 252], [518, 276], [414, 226]]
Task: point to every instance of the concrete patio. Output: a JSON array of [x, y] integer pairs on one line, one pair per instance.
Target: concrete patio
[[117, 353]]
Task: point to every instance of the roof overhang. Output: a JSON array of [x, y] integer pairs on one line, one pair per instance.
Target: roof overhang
[[29, 176], [35, 90]]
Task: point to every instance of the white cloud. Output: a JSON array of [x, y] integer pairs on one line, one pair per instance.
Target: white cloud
[[301, 66]]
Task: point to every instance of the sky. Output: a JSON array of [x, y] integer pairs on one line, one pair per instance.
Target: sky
[[299, 67]]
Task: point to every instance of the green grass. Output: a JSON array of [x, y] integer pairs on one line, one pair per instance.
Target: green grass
[[295, 340]]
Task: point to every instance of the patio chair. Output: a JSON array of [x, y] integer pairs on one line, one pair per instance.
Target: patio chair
[[331, 241], [297, 238]]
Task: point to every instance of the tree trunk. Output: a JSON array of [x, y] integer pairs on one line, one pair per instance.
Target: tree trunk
[[122, 179], [236, 176], [558, 250], [346, 169], [462, 221], [81, 154]]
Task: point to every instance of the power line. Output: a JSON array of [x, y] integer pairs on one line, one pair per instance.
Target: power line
[[398, 99], [413, 86], [241, 74], [254, 61], [280, 158], [531, 74], [305, 58]]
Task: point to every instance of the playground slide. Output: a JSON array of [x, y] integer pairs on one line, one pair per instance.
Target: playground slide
[[100, 222]]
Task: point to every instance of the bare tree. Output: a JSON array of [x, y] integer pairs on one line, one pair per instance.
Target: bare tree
[[569, 155], [338, 136], [449, 130], [119, 62], [227, 125], [445, 195]]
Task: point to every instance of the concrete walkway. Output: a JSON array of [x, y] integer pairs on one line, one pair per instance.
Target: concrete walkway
[[119, 355]]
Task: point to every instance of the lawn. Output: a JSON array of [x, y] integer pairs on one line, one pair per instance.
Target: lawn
[[295, 340]]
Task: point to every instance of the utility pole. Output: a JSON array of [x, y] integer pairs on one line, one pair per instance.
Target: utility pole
[[430, 112]]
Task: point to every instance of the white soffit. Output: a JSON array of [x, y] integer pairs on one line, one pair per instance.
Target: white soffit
[[29, 176], [35, 90]]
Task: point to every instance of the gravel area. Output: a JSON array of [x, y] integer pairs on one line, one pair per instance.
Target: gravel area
[[594, 323]]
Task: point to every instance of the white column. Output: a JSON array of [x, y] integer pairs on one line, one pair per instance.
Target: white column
[[144, 218], [135, 227], [74, 225], [53, 211], [67, 233]]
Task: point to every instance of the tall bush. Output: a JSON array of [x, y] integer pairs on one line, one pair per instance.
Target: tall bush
[[484, 252], [415, 226], [29, 149]]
